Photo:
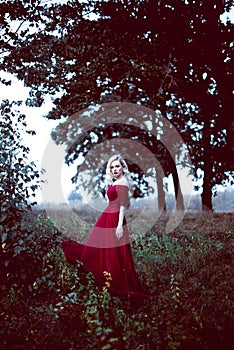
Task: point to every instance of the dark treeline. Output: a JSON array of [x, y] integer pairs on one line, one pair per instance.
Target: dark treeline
[[165, 55]]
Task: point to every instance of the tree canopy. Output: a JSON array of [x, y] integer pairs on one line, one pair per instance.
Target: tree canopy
[[157, 54]]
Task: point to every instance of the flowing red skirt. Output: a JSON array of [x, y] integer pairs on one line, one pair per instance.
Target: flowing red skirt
[[117, 261], [103, 253]]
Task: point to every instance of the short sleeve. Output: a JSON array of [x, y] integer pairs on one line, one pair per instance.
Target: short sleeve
[[123, 196]]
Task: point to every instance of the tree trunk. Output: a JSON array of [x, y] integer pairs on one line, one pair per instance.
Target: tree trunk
[[230, 145], [161, 193], [178, 194], [207, 187], [208, 163], [207, 195]]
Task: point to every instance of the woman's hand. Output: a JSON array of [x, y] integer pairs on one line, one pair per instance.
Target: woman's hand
[[119, 229], [119, 232]]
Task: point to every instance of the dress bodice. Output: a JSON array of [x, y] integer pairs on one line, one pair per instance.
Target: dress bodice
[[118, 196], [112, 193]]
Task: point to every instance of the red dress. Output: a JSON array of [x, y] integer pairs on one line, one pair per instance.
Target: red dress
[[104, 252]]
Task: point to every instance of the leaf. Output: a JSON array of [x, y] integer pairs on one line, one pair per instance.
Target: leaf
[[3, 217], [4, 237]]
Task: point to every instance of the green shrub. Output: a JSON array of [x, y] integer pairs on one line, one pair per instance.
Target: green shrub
[[51, 304], [191, 274], [19, 179]]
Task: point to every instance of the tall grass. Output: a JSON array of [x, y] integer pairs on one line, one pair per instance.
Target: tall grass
[[49, 304]]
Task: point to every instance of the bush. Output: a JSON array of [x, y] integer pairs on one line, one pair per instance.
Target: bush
[[58, 306], [19, 179], [191, 273]]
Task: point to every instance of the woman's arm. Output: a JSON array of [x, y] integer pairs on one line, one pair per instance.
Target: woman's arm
[[119, 230], [123, 203]]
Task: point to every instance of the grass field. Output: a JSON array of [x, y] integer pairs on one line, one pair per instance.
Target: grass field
[[49, 304]]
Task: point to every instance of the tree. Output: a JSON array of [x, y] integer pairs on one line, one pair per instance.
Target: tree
[[79, 39], [207, 84], [120, 127], [73, 196], [132, 53]]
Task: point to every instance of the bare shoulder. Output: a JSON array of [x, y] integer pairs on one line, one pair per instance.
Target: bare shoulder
[[122, 182]]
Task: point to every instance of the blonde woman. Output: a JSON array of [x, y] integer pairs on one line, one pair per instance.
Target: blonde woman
[[107, 251]]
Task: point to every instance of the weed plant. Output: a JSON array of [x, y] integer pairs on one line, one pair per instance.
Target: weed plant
[[47, 303]]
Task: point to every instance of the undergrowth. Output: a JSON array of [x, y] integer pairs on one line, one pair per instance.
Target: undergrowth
[[47, 303]]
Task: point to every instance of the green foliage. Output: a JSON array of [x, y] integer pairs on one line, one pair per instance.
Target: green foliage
[[19, 178], [191, 273], [52, 304]]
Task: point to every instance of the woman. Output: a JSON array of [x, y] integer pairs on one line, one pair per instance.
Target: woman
[[107, 252]]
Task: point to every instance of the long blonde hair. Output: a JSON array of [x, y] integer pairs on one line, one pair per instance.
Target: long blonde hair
[[110, 177]]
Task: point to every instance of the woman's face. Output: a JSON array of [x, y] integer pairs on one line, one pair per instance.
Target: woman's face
[[116, 169]]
